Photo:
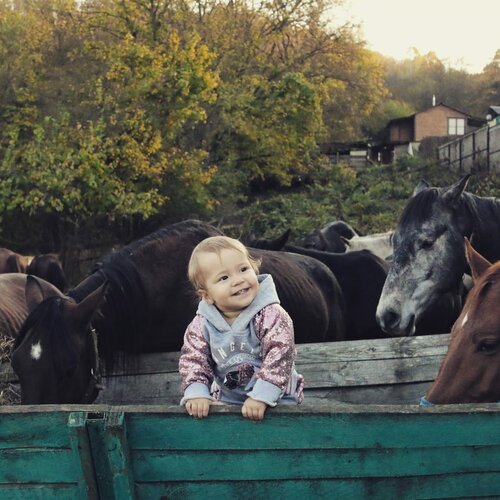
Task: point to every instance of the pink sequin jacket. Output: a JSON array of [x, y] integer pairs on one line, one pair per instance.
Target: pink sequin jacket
[[252, 357]]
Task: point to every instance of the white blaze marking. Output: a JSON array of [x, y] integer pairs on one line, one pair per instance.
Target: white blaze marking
[[466, 317], [36, 351]]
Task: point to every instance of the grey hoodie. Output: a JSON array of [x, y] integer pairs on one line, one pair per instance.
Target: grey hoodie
[[261, 337]]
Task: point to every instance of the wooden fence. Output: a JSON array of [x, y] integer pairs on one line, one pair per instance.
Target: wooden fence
[[310, 452], [136, 442], [382, 371], [478, 150]]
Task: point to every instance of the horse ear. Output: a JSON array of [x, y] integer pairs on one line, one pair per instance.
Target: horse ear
[[453, 193], [321, 236], [14, 264], [423, 184], [346, 241], [36, 291], [33, 292], [281, 241], [477, 262], [85, 310]]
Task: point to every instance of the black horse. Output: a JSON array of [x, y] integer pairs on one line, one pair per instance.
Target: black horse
[[429, 257], [361, 276], [331, 237], [140, 300]]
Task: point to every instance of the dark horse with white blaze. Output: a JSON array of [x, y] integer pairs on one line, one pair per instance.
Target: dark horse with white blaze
[[470, 371], [140, 300], [428, 259]]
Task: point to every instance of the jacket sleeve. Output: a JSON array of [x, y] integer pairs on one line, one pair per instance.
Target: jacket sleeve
[[195, 363], [274, 328]]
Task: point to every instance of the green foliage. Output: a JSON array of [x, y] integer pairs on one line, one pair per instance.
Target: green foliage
[[123, 115], [371, 199], [266, 130]]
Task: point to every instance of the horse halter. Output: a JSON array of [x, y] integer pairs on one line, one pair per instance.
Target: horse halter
[[95, 372]]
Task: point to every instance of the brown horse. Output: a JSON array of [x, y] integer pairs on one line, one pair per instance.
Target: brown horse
[[13, 307], [48, 266], [12, 262], [139, 300], [470, 372]]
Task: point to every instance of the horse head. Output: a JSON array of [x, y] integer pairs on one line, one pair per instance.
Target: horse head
[[470, 371], [49, 267], [269, 244], [55, 354], [428, 257]]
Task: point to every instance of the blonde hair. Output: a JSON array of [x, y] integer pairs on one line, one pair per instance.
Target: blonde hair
[[215, 244]]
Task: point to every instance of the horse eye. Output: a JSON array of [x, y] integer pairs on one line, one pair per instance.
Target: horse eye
[[488, 346], [426, 244]]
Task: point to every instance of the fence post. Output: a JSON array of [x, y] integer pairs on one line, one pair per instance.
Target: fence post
[[460, 144], [488, 149], [80, 444]]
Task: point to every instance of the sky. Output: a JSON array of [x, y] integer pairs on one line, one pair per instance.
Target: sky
[[463, 34]]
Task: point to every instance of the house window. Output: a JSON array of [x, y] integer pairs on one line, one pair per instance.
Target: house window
[[456, 126]]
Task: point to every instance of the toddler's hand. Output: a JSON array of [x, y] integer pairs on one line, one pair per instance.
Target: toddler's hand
[[198, 407], [253, 409]]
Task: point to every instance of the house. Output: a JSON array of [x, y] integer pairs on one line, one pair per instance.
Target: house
[[405, 134], [493, 116]]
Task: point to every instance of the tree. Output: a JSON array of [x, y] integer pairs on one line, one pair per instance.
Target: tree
[[127, 159]]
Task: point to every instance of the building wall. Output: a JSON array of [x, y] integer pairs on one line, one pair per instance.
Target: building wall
[[401, 131], [433, 122]]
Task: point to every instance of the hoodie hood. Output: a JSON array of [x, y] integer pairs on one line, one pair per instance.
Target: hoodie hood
[[266, 295]]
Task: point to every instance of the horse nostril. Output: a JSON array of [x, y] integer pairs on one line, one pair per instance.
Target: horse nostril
[[390, 319]]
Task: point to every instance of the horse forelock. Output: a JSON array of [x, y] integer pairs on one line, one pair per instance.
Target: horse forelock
[[45, 325], [418, 209], [490, 277]]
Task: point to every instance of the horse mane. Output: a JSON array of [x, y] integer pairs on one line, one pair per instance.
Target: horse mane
[[125, 310], [171, 231], [47, 319], [485, 213]]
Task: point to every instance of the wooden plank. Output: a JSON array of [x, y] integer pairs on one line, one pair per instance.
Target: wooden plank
[[82, 452], [328, 352], [31, 465], [414, 427], [461, 485], [118, 456], [354, 364], [30, 430], [348, 351], [284, 465], [41, 491]]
